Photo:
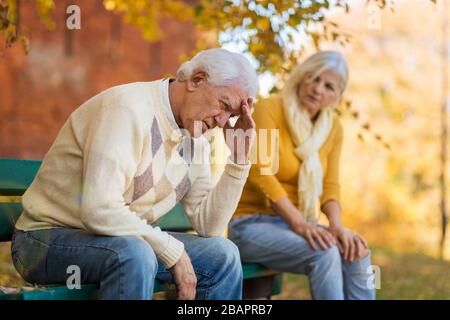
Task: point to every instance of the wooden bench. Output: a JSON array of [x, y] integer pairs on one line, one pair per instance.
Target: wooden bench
[[17, 175]]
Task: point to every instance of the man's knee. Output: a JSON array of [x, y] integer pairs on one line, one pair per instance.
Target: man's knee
[[219, 270], [225, 256], [136, 254]]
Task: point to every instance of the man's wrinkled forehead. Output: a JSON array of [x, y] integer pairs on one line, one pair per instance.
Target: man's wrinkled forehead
[[236, 97]]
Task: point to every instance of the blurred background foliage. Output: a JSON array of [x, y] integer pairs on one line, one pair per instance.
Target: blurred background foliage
[[269, 29]]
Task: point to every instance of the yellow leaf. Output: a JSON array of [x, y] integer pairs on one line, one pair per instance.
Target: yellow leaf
[[109, 4], [263, 24]]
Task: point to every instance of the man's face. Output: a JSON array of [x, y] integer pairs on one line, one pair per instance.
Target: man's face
[[207, 106]]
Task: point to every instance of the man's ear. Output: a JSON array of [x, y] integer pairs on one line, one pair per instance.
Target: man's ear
[[197, 78]]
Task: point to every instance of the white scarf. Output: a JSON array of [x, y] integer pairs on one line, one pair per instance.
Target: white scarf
[[308, 138]]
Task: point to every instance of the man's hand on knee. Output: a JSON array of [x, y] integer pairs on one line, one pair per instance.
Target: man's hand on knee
[[184, 278]]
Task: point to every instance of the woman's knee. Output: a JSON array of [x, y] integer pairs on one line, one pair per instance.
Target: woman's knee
[[329, 257], [363, 254]]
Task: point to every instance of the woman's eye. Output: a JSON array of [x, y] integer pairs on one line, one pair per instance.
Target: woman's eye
[[330, 87]]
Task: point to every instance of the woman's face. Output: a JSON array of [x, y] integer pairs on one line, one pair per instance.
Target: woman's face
[[317, 93]]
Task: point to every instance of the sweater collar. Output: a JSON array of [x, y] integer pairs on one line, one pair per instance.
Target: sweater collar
[[166, 102]]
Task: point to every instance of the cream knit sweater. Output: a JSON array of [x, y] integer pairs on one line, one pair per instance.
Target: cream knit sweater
[[120, 163]]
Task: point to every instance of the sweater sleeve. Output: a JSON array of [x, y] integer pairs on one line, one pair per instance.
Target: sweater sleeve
[[331, 186], [110, 158], [210, 209], [263, 172]]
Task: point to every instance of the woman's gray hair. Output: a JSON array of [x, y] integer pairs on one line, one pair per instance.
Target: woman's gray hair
[[314, 66], [223, 68]]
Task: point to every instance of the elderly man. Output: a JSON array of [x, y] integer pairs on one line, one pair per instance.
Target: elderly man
[[122, 160]]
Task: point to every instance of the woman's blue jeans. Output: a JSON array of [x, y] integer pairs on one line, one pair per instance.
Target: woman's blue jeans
[[124, 267], [268, 240]]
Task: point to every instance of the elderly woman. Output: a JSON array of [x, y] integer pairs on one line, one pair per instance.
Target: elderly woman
[[276, 220]]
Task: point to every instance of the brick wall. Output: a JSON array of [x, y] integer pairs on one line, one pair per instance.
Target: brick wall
[[64, 68]]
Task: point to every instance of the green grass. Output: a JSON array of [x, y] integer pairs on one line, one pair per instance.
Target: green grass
[[403, 276], [411, 275]]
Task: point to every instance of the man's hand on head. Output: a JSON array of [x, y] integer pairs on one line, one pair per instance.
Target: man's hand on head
[[239, 137]]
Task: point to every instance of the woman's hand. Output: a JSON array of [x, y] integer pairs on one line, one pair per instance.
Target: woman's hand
[[351, 245], [315, 235]]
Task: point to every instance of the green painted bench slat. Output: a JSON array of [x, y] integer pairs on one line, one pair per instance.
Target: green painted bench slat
[[17, 175], [86, 292], [175, 220], [56, 292], [9, 213]]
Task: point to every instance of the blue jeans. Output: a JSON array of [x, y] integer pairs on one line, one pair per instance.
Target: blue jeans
[[124, 267], [268, 240]]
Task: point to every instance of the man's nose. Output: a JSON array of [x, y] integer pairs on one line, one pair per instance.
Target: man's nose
[[318, 87], [222, 119]]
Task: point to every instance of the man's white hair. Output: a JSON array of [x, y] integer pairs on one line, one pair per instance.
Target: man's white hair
[[223, 68]]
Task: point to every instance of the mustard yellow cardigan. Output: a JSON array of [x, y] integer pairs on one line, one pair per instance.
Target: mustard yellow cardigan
[[262, 189]]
